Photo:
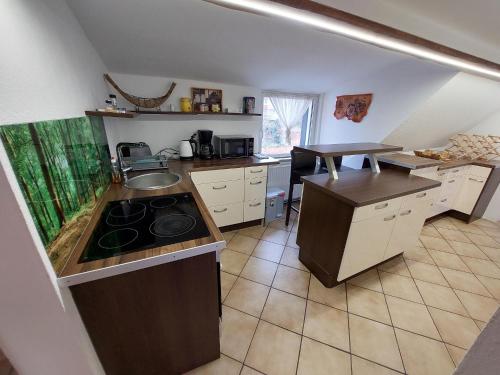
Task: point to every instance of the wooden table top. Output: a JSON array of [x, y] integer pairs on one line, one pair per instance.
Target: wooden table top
[[118, 192], [363, 187], [340, 149], [409, 161]]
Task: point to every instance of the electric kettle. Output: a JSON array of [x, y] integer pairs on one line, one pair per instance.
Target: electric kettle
[[187, 148]]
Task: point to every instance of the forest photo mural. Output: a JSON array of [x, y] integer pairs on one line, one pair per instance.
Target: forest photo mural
[[62, 167]]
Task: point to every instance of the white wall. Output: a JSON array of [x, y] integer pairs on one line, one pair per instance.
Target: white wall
[[397, 91], [167, 131], [49, 70]]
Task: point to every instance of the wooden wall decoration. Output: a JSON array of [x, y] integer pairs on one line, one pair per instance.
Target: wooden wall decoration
[[353, 107]]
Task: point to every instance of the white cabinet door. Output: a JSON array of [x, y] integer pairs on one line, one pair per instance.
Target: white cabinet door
[[366, 244], [407, 229], [469, 194], [255, 188], [254, 210], [224, 192], [227, 214]]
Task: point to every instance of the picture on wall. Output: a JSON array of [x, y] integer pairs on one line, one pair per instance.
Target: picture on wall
[[62, 167], [206, 100], [353, 107]]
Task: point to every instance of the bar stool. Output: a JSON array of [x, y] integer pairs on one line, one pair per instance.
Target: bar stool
[[304, 164]]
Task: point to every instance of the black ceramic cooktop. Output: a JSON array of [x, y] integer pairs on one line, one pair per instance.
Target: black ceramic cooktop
[[140, 224]]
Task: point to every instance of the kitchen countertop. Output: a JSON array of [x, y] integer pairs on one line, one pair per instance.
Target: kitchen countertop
[[363, 187], [417, 162], [75, 273]]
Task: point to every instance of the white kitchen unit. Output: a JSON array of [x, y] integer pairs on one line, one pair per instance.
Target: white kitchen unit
[[233, 195]]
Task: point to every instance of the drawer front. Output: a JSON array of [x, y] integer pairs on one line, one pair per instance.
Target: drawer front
[[204, 177], [467, 199], [380, 208], [254, 210], [255, 188], [421, 198], [441, 175], [458, 171], [476, 170], [218, 193], [424, 172], [451, 186], [253, 172], [227, 214]]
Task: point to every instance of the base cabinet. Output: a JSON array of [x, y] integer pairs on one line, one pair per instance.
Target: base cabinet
[[469, 194]]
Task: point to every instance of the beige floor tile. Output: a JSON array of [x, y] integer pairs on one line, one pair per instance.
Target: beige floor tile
[[292, 281], [327, 325], [444, 223], [467, 249], [295, 227], [232, 261], [448, 260], [229, 235], [482, 267], [268, 251], [290, 258], [400, 286], [285, 310], [292, 240], [441, 297], [456, 353], [464, 281], [453, 235], [486, 223], [227, 281], [247, 296], [361, 366], [369, 280], [492, 232], [242, 244], [276, 235], [412, 317], [237, 330], [434, 243], [430, 231], [374, 341], [480, 324], [334, 297], [255, 232], [418, 254], [396, 265], [479, 307], [274, 350], [484, 240], [259, 270], [280, 224], [469, 228], [423, 356], [493, 285], [249, 371], [223, 365], [367, 303], [493, 253], [426, 272], [455, 329], [319, 359]]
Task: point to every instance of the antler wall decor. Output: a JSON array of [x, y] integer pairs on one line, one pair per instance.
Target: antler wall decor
[[140, 101]]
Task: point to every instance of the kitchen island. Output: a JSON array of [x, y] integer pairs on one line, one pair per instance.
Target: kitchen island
[[352, 221]]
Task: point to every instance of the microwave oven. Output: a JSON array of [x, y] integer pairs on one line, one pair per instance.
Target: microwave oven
[[233, 146]]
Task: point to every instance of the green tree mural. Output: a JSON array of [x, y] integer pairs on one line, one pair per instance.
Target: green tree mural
[[62, 167]]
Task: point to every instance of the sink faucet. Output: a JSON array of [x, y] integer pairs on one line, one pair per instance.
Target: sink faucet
[[124, 171]]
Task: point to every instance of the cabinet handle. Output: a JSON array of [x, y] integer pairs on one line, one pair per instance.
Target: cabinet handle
[[380, 206], [456, 170], [255, 204], [406, 213], [441, 174], [258, 171], [220, 211], [256, 183], [421, 195], [451, 181], [219, 187], [444, 200], [473, 179], [389, 218]]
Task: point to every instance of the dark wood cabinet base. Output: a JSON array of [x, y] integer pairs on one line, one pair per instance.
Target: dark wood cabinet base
[[155, 321]]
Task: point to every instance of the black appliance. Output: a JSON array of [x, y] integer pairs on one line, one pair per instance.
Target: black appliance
[[205, 148], [233, 146]]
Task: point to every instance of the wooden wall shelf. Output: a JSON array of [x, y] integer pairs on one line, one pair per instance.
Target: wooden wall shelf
[[132, 114]]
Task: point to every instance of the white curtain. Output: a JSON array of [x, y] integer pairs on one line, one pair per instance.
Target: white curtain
[[290, 110]]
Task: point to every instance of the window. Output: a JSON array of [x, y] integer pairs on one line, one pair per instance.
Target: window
[[287, 122]]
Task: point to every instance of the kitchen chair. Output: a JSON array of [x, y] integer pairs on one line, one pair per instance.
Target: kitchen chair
[[304, 164]]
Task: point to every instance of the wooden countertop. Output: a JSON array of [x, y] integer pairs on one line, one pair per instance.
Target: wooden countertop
[[408, 161], [180, 250], [347, 149], [363, 187], [459, 163]]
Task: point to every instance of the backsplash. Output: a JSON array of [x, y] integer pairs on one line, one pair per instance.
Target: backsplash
[[62, 167]]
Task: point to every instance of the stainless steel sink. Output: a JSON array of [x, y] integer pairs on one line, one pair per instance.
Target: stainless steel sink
[[153, 181]]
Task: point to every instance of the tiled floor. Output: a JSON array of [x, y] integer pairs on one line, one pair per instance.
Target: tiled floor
[[417, 314]]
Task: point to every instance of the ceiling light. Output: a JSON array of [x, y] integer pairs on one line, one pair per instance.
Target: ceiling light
[[357, 33]]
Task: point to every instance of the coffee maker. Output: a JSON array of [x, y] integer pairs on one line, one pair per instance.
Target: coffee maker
[[205, 149]]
